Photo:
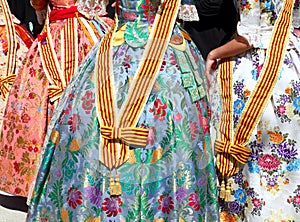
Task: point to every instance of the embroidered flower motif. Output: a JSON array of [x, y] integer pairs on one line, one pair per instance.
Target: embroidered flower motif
[[295, 200], [180, 194], [268, 162], [296, 103], [32, 72], [238, 106], [64, 215], [151, 135], [288, 90], [16, 167], [256, 202], [165, 203], [31, 95], [245, 5], [33, 146], [25, 118], [275, 137], [247, 92], [74, 122], [74, 197], [194, 130], [159, 110], [148, 10], [75, 145], [178, 117], [156, 155], [88, 101], [194, 201], [281, 109], [95, 195], [238, 88], [111, 206], [204, 123], [129, 16], [240, 195], [224, 216], [287, 150], [234, 207]]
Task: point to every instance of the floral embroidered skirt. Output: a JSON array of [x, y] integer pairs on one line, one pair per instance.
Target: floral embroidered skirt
[[267, 188], [29, 109], [171, 179]]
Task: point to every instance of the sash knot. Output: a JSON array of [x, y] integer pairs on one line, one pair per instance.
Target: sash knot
[[237, 151], [129, 135], [5, 84]]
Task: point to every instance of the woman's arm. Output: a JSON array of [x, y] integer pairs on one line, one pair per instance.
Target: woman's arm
[[234, 47]]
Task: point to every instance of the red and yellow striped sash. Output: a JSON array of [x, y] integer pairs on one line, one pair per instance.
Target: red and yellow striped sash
[[231, 147], [118, 130], [60, 73], [7, 78]]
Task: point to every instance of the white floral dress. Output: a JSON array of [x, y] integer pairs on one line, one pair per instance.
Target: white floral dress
[[267, 188]]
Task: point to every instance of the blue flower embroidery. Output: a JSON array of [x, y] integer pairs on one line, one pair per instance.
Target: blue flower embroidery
[[240, 195], [296, 103], [239, 106], [253, 167]]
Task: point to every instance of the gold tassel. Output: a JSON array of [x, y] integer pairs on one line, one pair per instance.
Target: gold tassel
[[118, 187], [112, 185], [222, 190], [115, 187], [228, 192]]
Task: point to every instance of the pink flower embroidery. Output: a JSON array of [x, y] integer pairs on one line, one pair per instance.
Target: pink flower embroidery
[[74, 121], [268, 162], [281, 109], [256, 202], [151, 135], [178, 117], [88, 101], [194, 130], [194, 201]]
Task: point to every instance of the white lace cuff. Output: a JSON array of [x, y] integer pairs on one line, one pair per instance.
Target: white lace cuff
[[188, 13]]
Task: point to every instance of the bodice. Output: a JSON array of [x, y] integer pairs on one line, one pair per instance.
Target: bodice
[[257, 19], [141, 11]]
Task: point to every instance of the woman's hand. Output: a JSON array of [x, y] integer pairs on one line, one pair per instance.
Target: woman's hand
[[210, 68]]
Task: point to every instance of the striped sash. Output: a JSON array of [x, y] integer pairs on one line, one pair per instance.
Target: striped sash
[[118, 130], [231, 147], [60, 73], [7, 79]]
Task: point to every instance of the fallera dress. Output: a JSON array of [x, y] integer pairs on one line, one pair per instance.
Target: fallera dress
[[47, 68], [172, 178], [15, 41], [267, 187]]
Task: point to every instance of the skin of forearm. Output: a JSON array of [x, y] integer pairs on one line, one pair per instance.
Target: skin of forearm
[[234, 47]]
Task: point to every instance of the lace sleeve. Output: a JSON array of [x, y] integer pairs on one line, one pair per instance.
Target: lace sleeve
[[188, 11], [39, 4], [92, 7], [296, 14], [249, 24]]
